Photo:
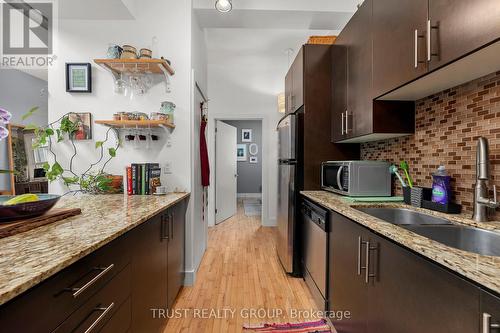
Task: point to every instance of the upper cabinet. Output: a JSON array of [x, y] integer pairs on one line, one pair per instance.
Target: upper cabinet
[[421, 47], [394, 52], [398, 42], [458, 27], [356, 117], [294, 84]]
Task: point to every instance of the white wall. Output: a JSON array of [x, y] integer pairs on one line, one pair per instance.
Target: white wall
[[84, 40], [199, 232]]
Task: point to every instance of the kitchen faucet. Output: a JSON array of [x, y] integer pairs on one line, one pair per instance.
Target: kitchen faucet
[[482, 202]]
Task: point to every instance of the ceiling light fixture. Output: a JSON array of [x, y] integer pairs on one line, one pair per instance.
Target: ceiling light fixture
[[223, 6]]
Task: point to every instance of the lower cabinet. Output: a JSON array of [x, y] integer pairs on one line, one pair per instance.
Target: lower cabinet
[[114, 289], [387, 288], [490, 313]]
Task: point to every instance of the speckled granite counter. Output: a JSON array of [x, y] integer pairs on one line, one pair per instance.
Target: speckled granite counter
[[484, 270], [29, 258]]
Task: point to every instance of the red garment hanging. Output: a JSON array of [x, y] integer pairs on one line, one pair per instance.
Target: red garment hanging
[[205, 165]]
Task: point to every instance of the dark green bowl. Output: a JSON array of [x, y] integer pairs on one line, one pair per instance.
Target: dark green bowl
[[28, 209]]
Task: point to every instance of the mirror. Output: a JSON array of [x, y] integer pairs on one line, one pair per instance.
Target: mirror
[[20, 91], [253, 149]]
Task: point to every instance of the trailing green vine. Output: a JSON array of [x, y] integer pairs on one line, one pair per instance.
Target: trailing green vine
[[94, 179]]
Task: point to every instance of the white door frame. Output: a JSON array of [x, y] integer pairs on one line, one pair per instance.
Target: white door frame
[[265, 161]]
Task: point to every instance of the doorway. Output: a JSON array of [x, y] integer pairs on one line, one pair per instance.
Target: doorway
[[238, 168]]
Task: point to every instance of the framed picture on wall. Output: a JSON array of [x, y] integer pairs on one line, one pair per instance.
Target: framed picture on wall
[[83, 123], [79, 77], [254, 159], [246, 135], [241, 153]]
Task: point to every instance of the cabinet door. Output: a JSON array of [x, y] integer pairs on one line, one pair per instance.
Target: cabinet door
[[490, 313], [359, 92], [298, 81], [412, 295], [347, 289], [461, 26], [396, 60], [339, 91], [288, 91], [149, 275], [176, 251]]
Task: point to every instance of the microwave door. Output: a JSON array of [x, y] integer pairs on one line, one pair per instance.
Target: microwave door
[[286, 137]]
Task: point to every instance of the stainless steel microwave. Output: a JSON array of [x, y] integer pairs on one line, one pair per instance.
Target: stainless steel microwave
[[357, 178]]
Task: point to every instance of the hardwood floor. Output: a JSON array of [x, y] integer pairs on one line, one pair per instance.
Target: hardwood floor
[[239, 272]]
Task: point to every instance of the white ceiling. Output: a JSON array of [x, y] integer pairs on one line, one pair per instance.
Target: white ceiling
[[277, 14], [96, 9]]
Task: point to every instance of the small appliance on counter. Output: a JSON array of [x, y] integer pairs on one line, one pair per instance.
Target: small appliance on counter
[[357, 178]]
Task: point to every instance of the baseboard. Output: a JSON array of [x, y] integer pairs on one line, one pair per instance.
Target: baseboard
[[249, 195], [189, 278]]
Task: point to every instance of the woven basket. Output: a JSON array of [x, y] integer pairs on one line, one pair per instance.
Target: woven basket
[[324, 40]]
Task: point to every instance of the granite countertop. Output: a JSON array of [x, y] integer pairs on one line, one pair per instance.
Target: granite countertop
[[483, 270], [29, 258]]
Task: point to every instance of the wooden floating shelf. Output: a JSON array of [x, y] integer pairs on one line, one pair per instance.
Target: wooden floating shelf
[[136, 66], [135, 123]]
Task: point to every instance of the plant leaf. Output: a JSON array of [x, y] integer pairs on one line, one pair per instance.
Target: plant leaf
[[99, 144], [31, 127], [30, 113], [112, 152], [49, 131]]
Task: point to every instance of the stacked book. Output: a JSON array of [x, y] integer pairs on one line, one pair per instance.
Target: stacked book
[[142, 179]]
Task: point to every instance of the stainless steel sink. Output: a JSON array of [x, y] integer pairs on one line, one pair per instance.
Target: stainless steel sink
[[402, 216], [460, 237]]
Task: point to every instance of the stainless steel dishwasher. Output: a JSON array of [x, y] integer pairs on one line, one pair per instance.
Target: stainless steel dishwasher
[[315, 256]]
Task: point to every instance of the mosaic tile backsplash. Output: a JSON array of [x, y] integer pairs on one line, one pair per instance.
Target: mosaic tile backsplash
[[447, 127]]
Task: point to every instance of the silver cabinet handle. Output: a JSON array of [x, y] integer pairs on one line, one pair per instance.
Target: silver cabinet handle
[[166, 228], [416, 48], [360, 244], [429, 40], [346, 121], [78, 291], [342, 123], [487, 325], [105, 311], [368, 275], [171, 224]]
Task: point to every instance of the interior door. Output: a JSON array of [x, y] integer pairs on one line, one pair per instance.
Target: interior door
[[225, 171]]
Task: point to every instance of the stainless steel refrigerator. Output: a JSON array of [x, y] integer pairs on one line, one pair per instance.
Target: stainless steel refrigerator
[[288, 190]]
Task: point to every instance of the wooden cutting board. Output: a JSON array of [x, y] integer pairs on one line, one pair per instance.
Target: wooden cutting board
[[53, 215]]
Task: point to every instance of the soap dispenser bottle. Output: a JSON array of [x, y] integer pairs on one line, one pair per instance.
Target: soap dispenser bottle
[[441, 190]]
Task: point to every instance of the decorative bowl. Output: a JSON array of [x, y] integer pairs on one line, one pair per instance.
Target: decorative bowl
[[27, 209]]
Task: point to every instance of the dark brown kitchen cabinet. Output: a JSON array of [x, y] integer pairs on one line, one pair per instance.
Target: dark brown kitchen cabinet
[[113, 289], [358, 36], [149, 274], [490, 313], [459, 27], [158, 267], [347, 290], [404, 287], [288, 91], [339, 92], [356, 117], [294, 84], [387, 288], [399, 43], [298, 81], [176, 234]]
